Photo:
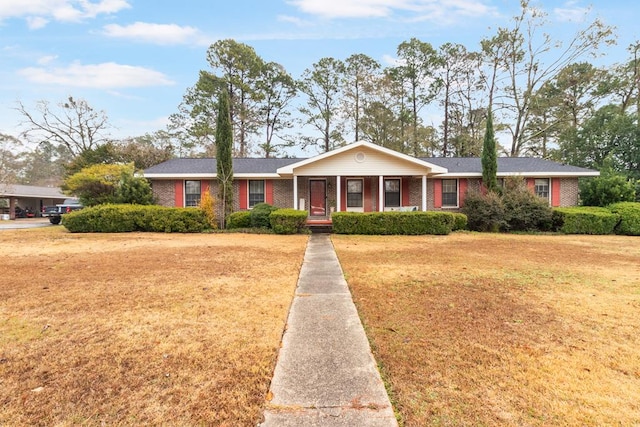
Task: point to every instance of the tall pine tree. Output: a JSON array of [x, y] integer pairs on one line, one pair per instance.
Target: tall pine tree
[[490, 157], [224, 158]]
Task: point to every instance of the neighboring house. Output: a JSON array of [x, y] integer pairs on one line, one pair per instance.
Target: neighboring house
[[360, 177], [15, 197]]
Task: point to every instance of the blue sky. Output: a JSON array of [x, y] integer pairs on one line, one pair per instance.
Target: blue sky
[[134, 59]]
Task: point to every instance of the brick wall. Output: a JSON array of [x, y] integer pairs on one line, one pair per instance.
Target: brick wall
[[568, 191], [283, 193], [415, 192], [164, 191]]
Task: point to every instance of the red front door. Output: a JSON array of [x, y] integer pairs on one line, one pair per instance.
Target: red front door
[[318, 197]]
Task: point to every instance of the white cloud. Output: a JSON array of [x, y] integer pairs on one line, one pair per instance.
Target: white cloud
[[36, 22], [349, 8], [47, 59], [107, 75], [38, 12], [421, 10], [163, 34], [294, 20], [571, 13]]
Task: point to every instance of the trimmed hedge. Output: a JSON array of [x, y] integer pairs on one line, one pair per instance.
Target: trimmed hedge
[[288, 221], [629, 213], [127, 218], [240, 219], [460, 221], [584, 220], [384, 223], [259, 215]]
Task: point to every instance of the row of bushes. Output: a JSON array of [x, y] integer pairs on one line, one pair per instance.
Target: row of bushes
[[407, 223], [619, 218], [110, 218], [263, 215]]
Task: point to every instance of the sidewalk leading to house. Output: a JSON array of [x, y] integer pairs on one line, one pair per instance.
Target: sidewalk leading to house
[[326, 374]]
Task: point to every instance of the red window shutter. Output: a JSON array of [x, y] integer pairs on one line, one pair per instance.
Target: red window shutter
[[405, 192], [531, 184], [437, 193], [244, 194], [179, 196], [555, 192], [463, 184], [268, 191]]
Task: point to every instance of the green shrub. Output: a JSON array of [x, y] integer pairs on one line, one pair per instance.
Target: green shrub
[[127, 218], [460, 221], [584, 220], [606, 189], [288, 221], [383, 223], [239, 219], [485, 212], [524, 211], [260, 215], [629, 213]]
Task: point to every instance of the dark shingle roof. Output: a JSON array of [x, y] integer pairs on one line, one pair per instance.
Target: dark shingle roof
[[506, 165], [455, 165], [208, 166]]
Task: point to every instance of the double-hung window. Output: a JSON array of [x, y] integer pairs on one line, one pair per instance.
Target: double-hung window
[[541, 188], [449, 193], [256, 192], [392, 193], [192, 193], [354, 193]]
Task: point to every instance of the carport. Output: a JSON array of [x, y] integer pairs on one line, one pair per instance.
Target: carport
[[27, 197]]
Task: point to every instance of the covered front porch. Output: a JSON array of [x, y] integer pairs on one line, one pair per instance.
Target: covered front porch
[[360, 177], [321, 196]]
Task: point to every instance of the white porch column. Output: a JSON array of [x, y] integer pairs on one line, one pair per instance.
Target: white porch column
[[380, 193], [338, 184], [295, 192], [424, 193]]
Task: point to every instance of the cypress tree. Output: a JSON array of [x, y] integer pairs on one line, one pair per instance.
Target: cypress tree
[[489, 157], [224, 158]]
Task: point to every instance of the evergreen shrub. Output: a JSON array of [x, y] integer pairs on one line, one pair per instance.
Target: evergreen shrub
[[127, 218], [398, 223], [239, 219], [288, 221], [629, 213], [485, 212], [260, 215], [584, 220], [460, 221]]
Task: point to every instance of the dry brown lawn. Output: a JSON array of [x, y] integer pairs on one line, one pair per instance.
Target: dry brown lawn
[[141, 329], [502, 330]]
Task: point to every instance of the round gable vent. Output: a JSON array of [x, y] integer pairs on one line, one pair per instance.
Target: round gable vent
[[360, 157]]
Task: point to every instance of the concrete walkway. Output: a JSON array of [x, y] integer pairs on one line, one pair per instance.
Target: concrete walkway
[[326, 374]]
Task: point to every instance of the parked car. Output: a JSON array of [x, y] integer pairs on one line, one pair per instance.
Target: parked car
[[54, 213], [23, 213]]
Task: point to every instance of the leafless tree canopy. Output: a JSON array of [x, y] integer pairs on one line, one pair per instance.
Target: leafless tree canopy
[[73, 124]]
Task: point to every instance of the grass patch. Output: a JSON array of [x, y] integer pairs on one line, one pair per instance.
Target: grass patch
[[148, 329], [489, 329]]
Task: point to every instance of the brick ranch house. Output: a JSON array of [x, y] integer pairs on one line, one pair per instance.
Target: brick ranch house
[[359, 177]]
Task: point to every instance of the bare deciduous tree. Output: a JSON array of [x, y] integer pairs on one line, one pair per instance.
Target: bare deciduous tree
[[74, 124]]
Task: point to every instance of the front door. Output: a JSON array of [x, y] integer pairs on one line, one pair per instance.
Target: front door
[[318, 197]]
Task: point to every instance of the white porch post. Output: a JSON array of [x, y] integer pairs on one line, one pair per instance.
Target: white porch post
[[380, 193], [338, 184], [295, 192], [424, 193]]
